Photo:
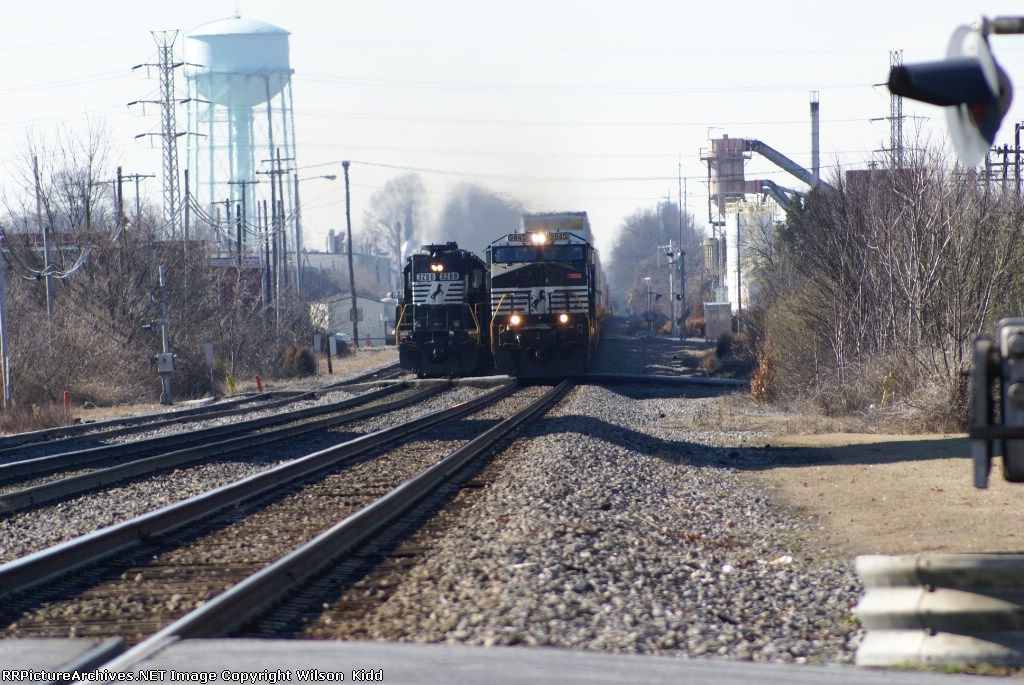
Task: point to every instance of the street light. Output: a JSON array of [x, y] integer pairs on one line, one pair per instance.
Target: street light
[[298, 228]]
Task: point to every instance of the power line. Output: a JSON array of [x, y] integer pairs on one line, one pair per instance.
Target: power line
[[570, 89], [463, 121]]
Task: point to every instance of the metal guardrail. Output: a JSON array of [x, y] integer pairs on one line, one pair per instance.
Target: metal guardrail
[[941, 609]]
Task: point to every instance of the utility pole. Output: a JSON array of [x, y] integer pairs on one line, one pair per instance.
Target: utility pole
[[242, 217], [168, 127], [45, 228], [682, 255], [138, 206], [239, 218], [298, 240], [354, 312], [266, 258], [5, 350], [277, 222], [119, 203]]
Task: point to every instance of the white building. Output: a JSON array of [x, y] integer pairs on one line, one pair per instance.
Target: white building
[[748, 225], [375, 319]]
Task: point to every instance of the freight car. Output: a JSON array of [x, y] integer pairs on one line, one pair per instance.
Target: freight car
[[442, 317], [548, 297]]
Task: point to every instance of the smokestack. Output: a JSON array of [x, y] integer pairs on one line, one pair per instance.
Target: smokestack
[[815, 161]]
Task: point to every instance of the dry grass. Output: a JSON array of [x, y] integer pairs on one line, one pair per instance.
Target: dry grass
[[362, 361], [36, 417]]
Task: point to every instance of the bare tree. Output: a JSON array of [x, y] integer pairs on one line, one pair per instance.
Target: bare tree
[[638, 254], [898, 270], [394, 218], [70, 180]]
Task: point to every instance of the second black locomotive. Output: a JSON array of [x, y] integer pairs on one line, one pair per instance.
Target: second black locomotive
[[442, 319]]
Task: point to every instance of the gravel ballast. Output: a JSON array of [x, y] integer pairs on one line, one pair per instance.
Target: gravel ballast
[[614, 529]]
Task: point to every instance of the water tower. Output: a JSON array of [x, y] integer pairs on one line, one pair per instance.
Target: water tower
[[240, 123]]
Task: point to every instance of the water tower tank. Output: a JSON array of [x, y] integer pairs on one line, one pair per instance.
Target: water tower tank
[[240, 118], [238, 62]]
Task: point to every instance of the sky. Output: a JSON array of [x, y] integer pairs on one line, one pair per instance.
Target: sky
[[595, 106]]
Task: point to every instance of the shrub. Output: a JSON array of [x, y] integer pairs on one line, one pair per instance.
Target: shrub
[[724, 345], [297, 361], [762, 383]]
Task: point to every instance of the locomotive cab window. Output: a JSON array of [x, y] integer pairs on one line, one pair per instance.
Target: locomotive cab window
[[563, 253], [510, 255]]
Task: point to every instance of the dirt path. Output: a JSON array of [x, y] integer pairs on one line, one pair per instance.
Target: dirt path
[[895, 494]]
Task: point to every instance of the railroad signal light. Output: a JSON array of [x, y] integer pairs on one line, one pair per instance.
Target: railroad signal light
[[973, 88]]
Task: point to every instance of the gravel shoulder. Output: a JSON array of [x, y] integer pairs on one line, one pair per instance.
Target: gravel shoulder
[[863, 493]]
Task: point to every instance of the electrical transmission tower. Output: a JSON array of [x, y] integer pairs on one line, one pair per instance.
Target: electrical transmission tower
[[169, 133], [896, 116]]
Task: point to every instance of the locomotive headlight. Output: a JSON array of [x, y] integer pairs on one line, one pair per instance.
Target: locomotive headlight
[[514, 320], [437, 268], [538, 238], [563, 318]]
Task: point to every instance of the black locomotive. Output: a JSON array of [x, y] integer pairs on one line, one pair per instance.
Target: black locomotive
[[443, 316], [548, 297]]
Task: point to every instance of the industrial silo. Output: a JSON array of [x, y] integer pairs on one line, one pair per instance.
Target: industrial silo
[[240, 126]]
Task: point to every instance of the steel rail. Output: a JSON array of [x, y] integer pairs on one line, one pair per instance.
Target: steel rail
[[73, 485], [137, 423], [47, 564], [53, 462], [385, 372], [256, 593], [127, 424]]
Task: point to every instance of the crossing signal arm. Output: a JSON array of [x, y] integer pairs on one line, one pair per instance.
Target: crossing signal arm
[[976, 93], [973, 88]]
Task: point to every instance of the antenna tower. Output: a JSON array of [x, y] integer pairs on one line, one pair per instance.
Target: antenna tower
[[169, 133], [896, 117]]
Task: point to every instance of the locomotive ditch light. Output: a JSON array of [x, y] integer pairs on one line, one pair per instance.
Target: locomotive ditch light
[[514, 320], [563, 318]]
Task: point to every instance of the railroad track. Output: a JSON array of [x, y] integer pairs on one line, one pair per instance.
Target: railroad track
[[14, 447], [70, 473], [206, 565]]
